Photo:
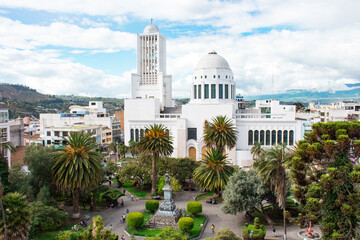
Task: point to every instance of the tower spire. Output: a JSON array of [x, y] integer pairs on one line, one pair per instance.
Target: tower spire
[[151, 20]]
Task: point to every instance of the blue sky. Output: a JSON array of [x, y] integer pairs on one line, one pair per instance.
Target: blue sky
[[89, 48]]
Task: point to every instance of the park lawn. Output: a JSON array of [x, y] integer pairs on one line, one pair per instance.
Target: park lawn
[[203, 196], [136, 192], [195, 232], [53, 234]]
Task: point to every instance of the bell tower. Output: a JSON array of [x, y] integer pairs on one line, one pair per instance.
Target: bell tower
[[151, 80]]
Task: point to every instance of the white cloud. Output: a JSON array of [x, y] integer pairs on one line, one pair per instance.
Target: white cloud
[[319, 51], [15, 34], [44, 71]]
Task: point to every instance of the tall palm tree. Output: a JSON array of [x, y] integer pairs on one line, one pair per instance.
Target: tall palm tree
[[214, 172], [156, 142], [77, 166], [220, 133], [272, 168]]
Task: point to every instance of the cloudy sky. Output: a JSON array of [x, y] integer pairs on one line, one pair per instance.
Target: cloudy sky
[[88, 47]]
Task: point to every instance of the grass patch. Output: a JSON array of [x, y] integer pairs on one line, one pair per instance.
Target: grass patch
[[150, 232], [205, 195], [136, 192], [53, 234]]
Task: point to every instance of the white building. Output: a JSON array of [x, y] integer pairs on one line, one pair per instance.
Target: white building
[[92, 118], [341, 111], [5, 132], [213, 93]]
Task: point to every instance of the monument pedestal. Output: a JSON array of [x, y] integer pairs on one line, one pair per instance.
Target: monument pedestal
[[168, 214]]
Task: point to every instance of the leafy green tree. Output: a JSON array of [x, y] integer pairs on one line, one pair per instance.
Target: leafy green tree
[[214, 172], [110, 168], [168, 233], [272, 169], [19, 180], [156, 142], [17, 215], [180, 168], [174, 183], [137, 171], [45, 218], [324, 175], [77, 166], [220, 133], [4, 169], [245, 191], [39, 160]]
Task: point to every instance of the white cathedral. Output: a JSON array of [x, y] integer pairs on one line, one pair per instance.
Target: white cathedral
[[213, 93]]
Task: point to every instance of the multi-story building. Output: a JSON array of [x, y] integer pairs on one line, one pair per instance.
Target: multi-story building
[[92, 118], [5, 133], [341, 111]]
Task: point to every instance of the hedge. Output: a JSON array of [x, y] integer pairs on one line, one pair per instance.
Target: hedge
[[152, 205], [194, 207], [135, 219], [186, 224]]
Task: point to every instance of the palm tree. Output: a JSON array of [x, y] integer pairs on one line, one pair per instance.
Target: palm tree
[[272, 168], [156, 142], [133, 147], [214, 172], [122, 149], [114, 147], [220, 133], [77, 166], [256, 150]]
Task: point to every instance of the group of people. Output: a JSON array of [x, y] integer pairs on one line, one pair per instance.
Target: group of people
[[123, 217]]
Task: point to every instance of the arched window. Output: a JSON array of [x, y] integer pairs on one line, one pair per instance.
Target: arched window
[[203, 152], [132, 134], [262, 137], [279, 137], [250, 137], [256, 136], [291, 137], [192, 153], [285, 140], [136, 135], [273, 137], [267, 137], [141, 133]]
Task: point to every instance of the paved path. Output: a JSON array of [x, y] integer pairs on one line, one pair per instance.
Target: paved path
[[111, 217]]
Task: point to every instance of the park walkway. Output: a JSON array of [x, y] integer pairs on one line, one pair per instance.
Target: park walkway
[[111, 216]]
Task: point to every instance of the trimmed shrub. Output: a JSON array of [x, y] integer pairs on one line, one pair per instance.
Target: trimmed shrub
[[194, 207], [135, 219], [258, 231], [186, 224], [152, 205]]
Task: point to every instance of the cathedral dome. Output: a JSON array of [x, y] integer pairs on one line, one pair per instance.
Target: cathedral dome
[[151, 28], [212, 61]]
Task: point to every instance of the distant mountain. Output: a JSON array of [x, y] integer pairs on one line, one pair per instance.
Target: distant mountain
[[306, 96], [22, 93]]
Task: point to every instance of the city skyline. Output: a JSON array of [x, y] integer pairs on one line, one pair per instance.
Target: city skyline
[[66, 48]]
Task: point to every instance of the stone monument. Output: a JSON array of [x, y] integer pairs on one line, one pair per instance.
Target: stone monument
[[167, 214]]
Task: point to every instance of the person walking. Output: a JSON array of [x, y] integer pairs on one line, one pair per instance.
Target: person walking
[[274, 231], [213, 228], [127, 211], [132, 197], [121, 219], [124, 218]]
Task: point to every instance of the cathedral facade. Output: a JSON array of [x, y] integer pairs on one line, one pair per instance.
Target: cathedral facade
[[213, 93]]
